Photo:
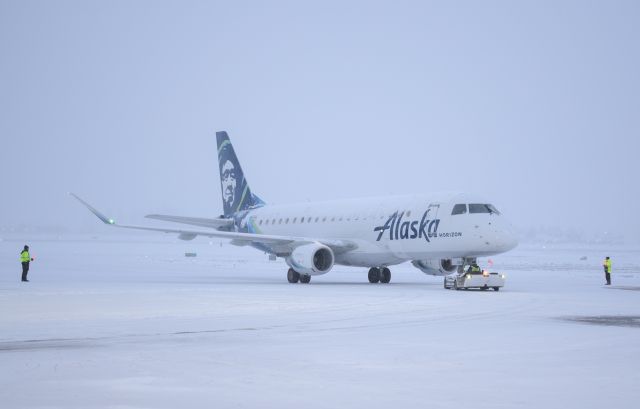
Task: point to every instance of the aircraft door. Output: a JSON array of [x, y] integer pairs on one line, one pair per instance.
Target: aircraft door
[[433, 210]]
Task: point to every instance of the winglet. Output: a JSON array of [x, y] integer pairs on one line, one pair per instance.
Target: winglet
[[93, 210]]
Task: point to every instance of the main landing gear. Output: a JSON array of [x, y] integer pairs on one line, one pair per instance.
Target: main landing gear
[[382, 275], [293, 277], [376, 275]]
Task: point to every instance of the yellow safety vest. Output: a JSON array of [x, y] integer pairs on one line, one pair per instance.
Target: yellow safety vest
[[607, 265], [25, 257], [475, 269]]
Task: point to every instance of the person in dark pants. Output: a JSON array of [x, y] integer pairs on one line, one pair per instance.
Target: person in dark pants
[[607, 270], [25, 258]]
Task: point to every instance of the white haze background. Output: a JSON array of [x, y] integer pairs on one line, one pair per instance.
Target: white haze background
[[533, 104]]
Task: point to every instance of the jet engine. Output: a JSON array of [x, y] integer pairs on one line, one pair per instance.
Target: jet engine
[[436, 267], [311, 259]]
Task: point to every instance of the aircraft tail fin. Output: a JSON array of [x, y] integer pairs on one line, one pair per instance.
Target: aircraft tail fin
[[236, 194]]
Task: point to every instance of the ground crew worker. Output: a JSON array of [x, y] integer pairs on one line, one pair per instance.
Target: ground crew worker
[[25, 258], [474, 268], [607, 270]]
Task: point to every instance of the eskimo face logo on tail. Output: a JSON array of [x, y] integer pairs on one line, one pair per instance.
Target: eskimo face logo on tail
[[232, 181], [229, 183], [409, 229]]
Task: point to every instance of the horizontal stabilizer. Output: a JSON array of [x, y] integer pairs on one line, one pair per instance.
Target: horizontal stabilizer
[[218, 224]]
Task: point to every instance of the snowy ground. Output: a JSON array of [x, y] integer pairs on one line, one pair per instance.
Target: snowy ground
[[128, 321]]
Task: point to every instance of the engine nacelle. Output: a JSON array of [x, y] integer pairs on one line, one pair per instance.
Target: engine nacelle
[[436, 267], [311, 259]]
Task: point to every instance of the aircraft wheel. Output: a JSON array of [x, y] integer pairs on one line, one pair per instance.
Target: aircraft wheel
[[385, 275], [496, 288], [374, 275], [293, 276], [305, 279]]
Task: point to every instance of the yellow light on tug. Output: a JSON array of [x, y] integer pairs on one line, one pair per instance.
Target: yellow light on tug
[[485, 273]]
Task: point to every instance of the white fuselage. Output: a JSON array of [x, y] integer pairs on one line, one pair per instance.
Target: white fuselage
[[391, 230]]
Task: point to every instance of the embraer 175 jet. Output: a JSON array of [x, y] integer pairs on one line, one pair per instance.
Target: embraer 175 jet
[[438, 233]]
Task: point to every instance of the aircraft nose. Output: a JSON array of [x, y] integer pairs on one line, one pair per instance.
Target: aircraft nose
[[508, 238]]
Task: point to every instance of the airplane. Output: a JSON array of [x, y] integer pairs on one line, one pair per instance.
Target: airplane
[[438, 233]]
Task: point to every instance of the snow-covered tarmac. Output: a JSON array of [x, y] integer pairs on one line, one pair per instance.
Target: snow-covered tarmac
[[128, 321]]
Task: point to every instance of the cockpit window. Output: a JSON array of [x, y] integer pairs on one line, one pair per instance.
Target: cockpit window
[[483, 208], [493, 209], [459, 209]]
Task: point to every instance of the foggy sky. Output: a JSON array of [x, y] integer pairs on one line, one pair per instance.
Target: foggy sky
[[534, 105]]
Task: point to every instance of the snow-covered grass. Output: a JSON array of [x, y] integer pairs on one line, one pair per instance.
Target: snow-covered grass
[[129, 321]]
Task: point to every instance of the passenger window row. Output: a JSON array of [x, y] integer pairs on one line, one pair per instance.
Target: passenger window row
[[318, 219]]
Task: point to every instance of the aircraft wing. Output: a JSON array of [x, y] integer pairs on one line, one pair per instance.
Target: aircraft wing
[[278, 244], [218, 224]]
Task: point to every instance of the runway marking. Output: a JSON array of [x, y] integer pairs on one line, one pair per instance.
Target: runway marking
[[624, 287], [631, 321], [63, 343]]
